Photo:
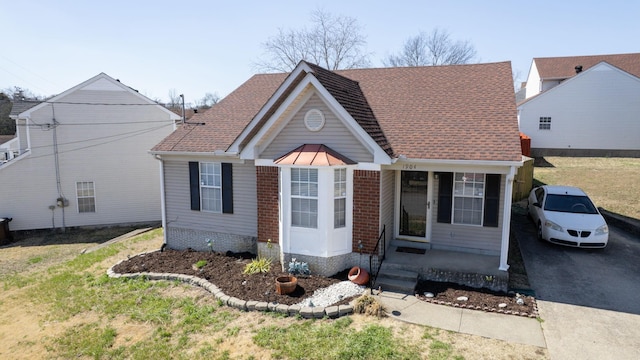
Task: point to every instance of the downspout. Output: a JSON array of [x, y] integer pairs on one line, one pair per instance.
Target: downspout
[[506, 218], [162, 201]]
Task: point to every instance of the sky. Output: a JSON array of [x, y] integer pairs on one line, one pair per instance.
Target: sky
[[194, 47]]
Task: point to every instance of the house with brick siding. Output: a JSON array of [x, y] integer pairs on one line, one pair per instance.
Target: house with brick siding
[[330, 166]]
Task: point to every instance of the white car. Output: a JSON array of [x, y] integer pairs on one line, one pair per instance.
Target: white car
[[565, 215]]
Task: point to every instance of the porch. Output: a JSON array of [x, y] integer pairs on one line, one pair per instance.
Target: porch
[[475, 270]]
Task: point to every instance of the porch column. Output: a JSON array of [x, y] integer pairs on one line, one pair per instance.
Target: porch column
[[506, 219]]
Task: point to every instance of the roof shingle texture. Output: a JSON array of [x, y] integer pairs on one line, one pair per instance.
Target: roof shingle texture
[[564, 67], [457, 112]]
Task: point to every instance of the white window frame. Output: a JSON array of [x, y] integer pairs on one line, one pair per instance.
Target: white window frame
[[82, 193], [468, 188], [545, 123], [304, 190], [210, 174], [339, 198]]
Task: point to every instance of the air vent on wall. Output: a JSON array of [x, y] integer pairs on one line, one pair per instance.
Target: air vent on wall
[[314, 120]]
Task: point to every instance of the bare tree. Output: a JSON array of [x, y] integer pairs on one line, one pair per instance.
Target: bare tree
[[435, 48], [207, 101], [334, 42]]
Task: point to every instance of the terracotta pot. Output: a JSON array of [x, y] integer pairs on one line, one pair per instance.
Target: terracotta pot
[[286, 284], [358, 275]]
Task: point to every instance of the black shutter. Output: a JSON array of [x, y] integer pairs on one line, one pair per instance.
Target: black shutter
[[445, 193], [492, 200], [194, 184], [227, 188]]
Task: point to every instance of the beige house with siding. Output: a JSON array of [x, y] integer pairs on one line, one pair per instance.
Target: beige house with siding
[[81, 159], [333, 166]]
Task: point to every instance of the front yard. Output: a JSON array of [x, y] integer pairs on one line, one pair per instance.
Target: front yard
[[57, 303], [612, 183]]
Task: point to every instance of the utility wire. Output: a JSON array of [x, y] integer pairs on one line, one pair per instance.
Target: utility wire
[[103, 137], [93, 145]]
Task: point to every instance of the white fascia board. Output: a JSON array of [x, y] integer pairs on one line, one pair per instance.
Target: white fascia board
[[252, 147], [235, 146], [486, 166], [379, 155], [272, 128], [188, 156]]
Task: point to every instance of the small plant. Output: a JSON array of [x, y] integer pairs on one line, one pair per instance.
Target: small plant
[[270, 247], [368, 305], [200, 264], [298, 267], [258, 265], [210, 243]]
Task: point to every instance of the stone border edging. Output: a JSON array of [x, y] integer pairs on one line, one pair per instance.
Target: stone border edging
[[306, 312], [534, 314]]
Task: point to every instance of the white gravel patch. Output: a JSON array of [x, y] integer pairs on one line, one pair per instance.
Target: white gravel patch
[[332, 294]]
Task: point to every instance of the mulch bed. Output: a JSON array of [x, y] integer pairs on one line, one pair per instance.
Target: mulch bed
[[226, 272], [477, 299]]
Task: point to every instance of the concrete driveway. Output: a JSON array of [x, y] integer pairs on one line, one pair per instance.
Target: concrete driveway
[[589, 299]]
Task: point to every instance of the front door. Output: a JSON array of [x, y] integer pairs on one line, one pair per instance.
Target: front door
[[413, 205]]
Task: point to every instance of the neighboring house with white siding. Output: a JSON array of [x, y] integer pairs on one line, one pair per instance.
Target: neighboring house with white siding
[[583, 106], [82, 158], [318, 163]]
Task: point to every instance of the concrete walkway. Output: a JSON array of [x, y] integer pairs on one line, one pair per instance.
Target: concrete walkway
[[511, 328]]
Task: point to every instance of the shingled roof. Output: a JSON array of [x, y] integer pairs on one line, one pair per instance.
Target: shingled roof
[[564, 67], [457, 112]]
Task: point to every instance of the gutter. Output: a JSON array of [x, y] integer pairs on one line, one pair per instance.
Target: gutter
[[217, 153]]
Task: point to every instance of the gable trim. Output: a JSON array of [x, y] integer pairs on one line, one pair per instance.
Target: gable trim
[[57, 98], [251, 149]]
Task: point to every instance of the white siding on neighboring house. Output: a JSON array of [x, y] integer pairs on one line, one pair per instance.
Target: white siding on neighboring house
[[468, 238], [243, 221], [104, 144], [597, 109], [334, 134], [533, 82]]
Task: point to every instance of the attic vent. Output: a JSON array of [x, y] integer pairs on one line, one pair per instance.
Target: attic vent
[[314, 120]]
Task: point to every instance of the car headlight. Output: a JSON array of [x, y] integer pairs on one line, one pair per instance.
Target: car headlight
[[552, 225], [604, 229]]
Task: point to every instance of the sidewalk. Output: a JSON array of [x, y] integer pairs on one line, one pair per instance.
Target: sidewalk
[[509, 328]]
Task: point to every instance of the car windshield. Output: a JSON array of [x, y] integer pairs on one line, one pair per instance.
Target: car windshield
[[570, 203]]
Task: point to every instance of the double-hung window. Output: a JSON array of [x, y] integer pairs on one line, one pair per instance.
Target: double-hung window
[[545, 123], [304, 198], [339, 198], [468, 196], [211, 187], [86, 194]]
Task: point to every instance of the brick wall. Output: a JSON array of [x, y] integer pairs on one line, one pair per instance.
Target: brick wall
[[267, 183], [366, 209]]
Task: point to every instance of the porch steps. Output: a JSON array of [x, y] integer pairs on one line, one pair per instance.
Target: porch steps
[[396, 280], [396, 243]]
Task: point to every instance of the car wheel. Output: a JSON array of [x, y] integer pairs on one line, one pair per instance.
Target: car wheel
[[540, 231]]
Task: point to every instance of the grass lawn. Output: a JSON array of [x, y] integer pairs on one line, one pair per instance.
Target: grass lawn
[[612, 183], [66, 307]]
